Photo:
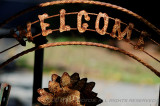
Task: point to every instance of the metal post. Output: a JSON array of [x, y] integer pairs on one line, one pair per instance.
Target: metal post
[[159, 98], [4, 94], [38, 72]]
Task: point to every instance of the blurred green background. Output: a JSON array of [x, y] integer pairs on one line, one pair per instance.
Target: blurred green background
[[96, 62]]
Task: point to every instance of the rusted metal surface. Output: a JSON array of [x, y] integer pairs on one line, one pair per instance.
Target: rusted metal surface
[[82, 27], [69, 91], [106, 22], [4, 94], [84, 2], [63, 26], [62, 23], [86, 44], [19, 37]]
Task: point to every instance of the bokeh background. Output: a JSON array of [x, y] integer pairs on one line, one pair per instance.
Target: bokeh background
[[117, 76]]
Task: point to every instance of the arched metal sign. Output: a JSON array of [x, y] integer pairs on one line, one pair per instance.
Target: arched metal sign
[[116, 32]]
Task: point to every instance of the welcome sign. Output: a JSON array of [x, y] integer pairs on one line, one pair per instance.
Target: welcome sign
[[82, 27]]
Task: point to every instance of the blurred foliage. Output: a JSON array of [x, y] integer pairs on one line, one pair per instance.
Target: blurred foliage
[[91, 62]]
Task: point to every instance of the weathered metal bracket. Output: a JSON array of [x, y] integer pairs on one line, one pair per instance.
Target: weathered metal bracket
[[4, 94]]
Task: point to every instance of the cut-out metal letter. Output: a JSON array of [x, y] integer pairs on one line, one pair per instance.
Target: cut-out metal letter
[[44, 25], [106, 21], [82, 27], [63, 27], [127, 31]]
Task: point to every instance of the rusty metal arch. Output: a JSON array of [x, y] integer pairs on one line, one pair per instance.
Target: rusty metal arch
[[90, 2], [82, 43], [150, 25], [86, 44], [154, 28]]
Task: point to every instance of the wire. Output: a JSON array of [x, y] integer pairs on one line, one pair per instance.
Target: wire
[[10, 48], [154, 41], [146, 53]]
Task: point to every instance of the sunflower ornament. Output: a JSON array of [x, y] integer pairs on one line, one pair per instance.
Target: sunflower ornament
[[68, 91]]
